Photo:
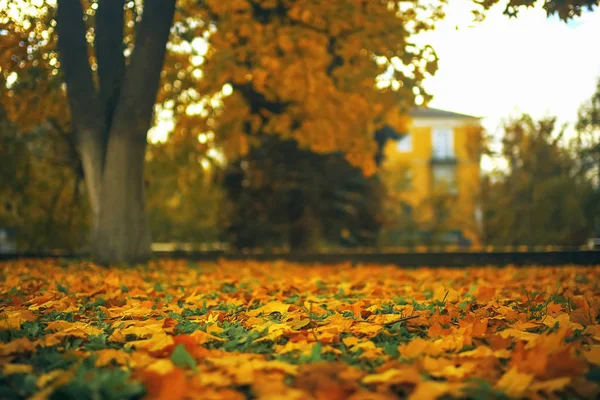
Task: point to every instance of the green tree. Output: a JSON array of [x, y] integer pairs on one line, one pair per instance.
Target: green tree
[[281, 195], [183, 200], [565, 9], [586, 147], [539, 199], [40, 188]]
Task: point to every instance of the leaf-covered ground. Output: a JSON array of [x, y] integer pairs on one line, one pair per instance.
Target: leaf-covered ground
[[176, 330]]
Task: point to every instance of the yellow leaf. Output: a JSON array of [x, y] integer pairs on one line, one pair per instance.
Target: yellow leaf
[[44, 379], [9, 369], [59, 325], [414, 348], [365, 328], [214, 328], [217, 379], [431, 390], [304, 347], [14, 319], [271, 307], [162, 367], [553, 385], [442, 293], [394, 376], [563, 321], [298, 323], [274, 331], [155, 343], [106, 356], [142, 331], [593, 355], [202, 337], [77, 329], [350, 341], [479, 351], [21, 345], [515, 333], [593, 331], [514, 383], [52, 339]]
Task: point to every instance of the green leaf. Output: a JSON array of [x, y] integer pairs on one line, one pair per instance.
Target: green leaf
[[292, 299], [61, 288], [315, 354], [182, 358]]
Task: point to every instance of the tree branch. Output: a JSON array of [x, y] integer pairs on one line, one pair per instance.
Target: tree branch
[[142, 77], [109, 54], [73, 50], [86, 109]]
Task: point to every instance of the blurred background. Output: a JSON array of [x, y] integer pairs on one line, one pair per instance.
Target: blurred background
[[323, 126]]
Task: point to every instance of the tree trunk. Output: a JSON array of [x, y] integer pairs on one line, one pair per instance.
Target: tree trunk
[[122, 233], [304, 231], [112, 121], [81, 93]]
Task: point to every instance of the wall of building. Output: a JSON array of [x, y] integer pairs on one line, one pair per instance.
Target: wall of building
[[409, 176]]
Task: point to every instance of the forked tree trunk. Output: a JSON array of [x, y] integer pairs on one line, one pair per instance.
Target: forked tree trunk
[[112, 120]]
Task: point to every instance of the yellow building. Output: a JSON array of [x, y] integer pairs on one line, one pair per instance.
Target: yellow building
[[432, 174]]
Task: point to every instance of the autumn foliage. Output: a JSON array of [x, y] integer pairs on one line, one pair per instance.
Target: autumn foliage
[[174, 330]]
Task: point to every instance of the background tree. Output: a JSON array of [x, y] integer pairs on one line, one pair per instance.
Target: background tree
[[283, 196], [41, 198], [586, 146], [565, 9], [540, 198], [183, 200], [312, 71], [303, 79]]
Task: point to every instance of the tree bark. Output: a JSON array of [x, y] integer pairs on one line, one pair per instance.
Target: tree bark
[[112, 122], [81, 92], [304, 232], [122, 234], [110, 57]]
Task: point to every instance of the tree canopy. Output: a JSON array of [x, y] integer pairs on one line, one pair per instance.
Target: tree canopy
[[540, 198]]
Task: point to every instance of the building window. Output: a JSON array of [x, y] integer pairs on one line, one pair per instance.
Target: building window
[[404, 144], [444, 178], [443, 143]]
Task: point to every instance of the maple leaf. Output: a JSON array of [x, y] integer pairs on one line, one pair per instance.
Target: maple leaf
[[430, 390], [107, 356], [563, 320], [9, 369], [14, 319], [514, 383], [169, 383], [272, 307], [15, 346], [593, 355], [156, 343], [408, 374], [550, 386]]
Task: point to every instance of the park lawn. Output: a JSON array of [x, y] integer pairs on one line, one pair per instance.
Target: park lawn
[[175, 330]]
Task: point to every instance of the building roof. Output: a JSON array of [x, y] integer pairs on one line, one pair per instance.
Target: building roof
[[427, 112]]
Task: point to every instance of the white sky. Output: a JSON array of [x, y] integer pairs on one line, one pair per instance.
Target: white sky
[[504, 66]]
